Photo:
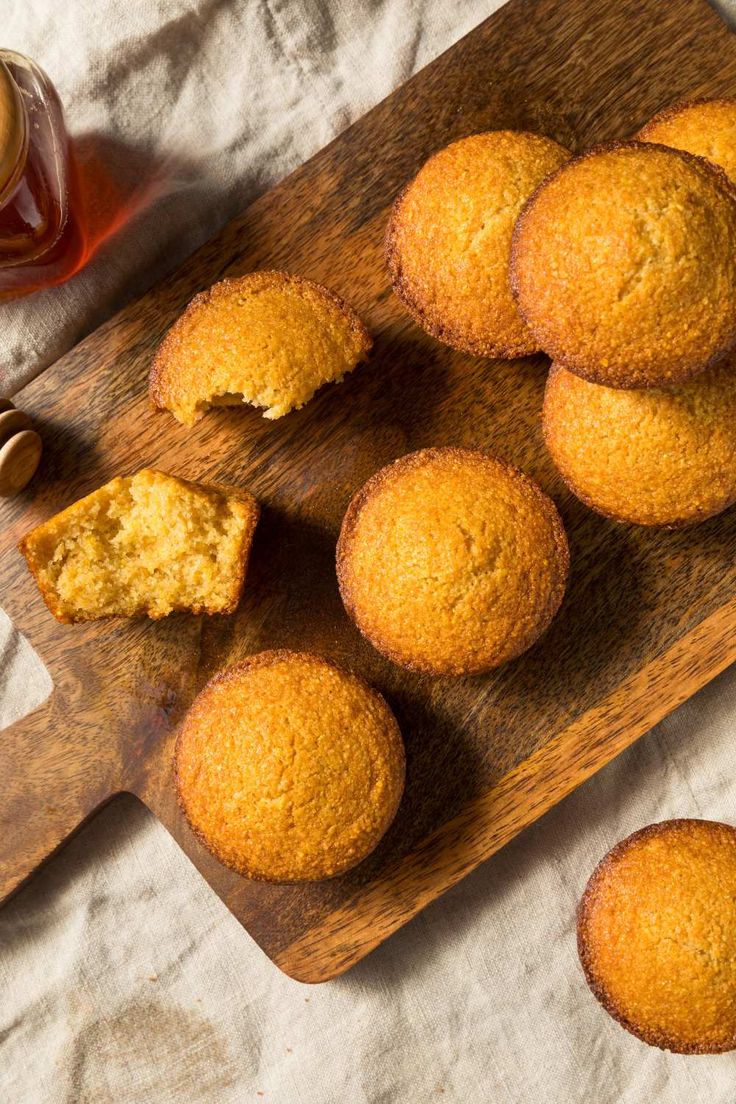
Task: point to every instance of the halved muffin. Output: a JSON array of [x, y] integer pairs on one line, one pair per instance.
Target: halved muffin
[[269, 339], [147, 544]]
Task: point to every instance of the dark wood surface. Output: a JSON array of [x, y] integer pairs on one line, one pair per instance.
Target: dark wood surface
[[649, 616]]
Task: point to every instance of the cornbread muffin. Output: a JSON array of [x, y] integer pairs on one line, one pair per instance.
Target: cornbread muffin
[[451, 561], [665, 456], [706, 128], [144, 544], [269, 339], [449, 238], [657, 935], [624, 265], [289, 769]]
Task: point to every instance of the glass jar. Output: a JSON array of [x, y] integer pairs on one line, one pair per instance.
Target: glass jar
[[42, 240]]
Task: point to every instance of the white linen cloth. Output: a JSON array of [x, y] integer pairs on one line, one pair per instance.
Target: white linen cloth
[[123, 977]]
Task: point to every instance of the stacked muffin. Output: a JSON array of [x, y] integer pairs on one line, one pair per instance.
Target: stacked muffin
[[621, 265]]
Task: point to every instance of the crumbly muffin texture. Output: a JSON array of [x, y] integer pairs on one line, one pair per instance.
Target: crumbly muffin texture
[[269, 339], [288, 768], [663, 456], [449, 239], [657, 935], [624, 265], [144, 544], [706, 128], [451, 562]]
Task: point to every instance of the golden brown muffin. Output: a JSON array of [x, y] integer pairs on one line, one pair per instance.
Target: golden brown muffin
[[657, 935], [665, 456], [624, 265], [144, 544], [706, 128], [269, 339], [288, 768], [451, 561], [449, 238]]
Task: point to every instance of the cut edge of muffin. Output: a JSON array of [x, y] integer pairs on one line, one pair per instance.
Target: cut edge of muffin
[[211, 490]]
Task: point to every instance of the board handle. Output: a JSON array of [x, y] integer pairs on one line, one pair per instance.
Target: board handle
[[50, 788]]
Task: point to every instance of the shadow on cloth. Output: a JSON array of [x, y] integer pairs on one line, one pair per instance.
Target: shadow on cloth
[[596, 811]]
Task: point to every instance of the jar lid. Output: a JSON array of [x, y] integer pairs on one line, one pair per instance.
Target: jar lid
[[12, 125]]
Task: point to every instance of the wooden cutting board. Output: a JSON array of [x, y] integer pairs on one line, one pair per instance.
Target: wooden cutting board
[[649, 617]]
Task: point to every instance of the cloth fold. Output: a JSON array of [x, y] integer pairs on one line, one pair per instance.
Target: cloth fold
[[123, 976]]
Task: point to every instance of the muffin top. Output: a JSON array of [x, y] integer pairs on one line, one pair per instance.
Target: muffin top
[[288, 768], [449, 239], [666, 456], [451, 561], [624, 265], [657, 935], [706, 128], [269, 339]]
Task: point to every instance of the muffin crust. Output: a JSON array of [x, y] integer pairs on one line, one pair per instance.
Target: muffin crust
[[449, 238], [706, 128], [451, 562], [664, 456], [657, 935], [289, 768], [624, 265]]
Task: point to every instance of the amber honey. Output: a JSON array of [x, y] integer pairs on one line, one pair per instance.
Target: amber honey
[[42, 238]]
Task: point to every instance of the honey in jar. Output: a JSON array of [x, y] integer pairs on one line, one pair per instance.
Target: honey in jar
[[42, 240]]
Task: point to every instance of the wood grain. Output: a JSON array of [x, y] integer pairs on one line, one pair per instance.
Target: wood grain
[[648, 619]]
